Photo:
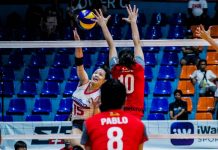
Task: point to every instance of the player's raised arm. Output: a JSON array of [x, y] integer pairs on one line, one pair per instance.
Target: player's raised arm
[[102, 22], [132, 19], [83, 77], [202, 33]]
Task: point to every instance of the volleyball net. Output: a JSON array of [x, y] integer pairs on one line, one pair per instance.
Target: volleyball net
[[50, 134], [102, 43]]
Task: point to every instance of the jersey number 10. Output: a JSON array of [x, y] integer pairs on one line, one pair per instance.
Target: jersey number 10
[[128, 81]]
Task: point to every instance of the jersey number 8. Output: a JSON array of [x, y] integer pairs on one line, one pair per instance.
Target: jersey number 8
[[115, 135]]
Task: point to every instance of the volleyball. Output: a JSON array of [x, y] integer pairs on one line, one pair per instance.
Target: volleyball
[[85, 19]]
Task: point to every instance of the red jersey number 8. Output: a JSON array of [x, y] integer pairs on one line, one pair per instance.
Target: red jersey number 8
[[115, 135], [128, 81]]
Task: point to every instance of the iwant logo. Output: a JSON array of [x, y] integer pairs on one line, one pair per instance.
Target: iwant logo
[[182, 128]]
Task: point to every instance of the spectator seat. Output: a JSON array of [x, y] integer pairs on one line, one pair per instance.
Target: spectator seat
[[65, 106], [205, 104], [42, 106], [27, 89], [156, 116], [17, 106], [162, 88], [31, 74], [56, 74], [189, 103], [159, 105], [186, 87], [203, 116], [50, 89], [61, 117], [61, 60], [70, 87], [170, 58], [33, 118], [166, 73], [186, 71]]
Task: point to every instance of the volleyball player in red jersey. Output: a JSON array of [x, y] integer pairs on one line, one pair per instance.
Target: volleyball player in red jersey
[[113, 128], [129, 66]]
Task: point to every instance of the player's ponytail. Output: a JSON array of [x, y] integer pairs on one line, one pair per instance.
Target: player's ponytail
[[126, 58]]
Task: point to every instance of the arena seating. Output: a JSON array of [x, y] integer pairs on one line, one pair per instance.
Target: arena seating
[[7, 74], [70, 87], [187, 87], [186, 71], [204, 116], [159, 105], [56, 74], [148, 73], [42, 106], [38, 61], [17, 106], [50, 89], [150, 59], [61, 60], [156, 116], [7, 89], [166, 73], [205, 104], [31, 74], [61, 117], [27, 89], [146, 90], [189, 103], [170, 58], [33, 118], [178, 19], [162, 88], [7, 118], [65, 106]]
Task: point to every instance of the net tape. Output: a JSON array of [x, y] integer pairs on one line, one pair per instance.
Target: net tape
[[70, 136], [102, 43]]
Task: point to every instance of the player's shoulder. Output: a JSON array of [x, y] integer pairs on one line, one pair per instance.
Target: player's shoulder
[[95, 117], [139, 66], [133, 118]]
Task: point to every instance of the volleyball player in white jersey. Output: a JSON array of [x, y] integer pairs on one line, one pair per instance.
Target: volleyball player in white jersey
[[86, 97]]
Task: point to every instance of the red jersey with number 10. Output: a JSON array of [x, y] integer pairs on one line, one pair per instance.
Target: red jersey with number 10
[[133, 79], [112, 130]]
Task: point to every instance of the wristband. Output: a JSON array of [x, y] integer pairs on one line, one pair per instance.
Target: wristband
[[79, 61]]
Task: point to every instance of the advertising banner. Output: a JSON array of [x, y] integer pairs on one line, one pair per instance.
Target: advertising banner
[[207, 131]]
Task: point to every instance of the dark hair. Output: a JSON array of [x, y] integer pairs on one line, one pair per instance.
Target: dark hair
[[202, 60], [107, 71], [113, 95], [178, 91], [126, 58], [77, 147], [20, 144]]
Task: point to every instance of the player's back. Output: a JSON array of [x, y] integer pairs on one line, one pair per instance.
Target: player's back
[[115, 130], [134, 80]]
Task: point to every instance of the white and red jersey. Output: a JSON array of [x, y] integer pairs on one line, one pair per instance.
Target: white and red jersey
[[112, 130], [133, 79], [82, 102]]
